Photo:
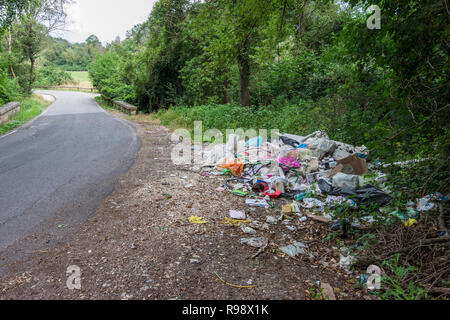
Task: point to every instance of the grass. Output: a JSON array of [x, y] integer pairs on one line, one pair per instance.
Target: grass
[[81, 78], [29, 108], [291, 119], [104, 104]]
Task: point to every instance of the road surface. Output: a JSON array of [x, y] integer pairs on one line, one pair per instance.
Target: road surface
[[56, 169]]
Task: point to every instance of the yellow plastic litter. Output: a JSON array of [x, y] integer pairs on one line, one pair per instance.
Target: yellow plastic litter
[[235, 222], [197, 220], [410, 222], [233, 285]]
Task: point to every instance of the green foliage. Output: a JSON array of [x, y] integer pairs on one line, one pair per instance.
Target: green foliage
[[365, 241], [307, 65], [109, 78], [315, 292], [9, 10], [70, 57], [8, 87], [52, 76], [412, 44], [420, 178], [394, 286]]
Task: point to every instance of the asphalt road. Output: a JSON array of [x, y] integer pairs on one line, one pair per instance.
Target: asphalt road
[[56, 169]]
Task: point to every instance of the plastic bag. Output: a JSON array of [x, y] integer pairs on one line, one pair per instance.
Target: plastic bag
[[346, 181], [288, 162], [365, 194], [235, 166]]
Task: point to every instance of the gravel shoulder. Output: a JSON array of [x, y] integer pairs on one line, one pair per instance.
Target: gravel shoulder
[[140, 244]]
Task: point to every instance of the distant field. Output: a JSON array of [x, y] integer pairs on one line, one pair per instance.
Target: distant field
[[82, 77]]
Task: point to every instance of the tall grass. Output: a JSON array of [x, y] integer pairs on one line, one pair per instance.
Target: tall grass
[[353, 126]]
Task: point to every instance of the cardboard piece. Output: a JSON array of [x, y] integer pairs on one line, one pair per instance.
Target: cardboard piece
[[350, 165]]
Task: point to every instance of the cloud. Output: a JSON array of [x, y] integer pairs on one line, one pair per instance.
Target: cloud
[[74, 18], [107, 19]]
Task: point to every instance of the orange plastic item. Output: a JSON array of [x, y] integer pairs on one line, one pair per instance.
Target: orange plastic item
[[236, 166]]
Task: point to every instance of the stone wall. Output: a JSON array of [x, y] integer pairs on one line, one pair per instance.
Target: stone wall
[[126, 107], [8, 110]]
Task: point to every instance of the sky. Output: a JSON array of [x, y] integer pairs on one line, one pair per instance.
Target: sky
[[107, 19]]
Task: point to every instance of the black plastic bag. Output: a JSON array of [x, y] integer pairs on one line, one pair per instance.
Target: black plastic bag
[[290, 142], [365, 194]]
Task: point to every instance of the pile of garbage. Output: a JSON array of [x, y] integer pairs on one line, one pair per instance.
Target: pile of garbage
[[313, 171], [311, 176]]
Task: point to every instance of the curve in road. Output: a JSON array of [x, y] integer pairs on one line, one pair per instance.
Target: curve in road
[[56, 169]]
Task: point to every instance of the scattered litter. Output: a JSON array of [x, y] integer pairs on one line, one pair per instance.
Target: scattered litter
[[410, 222], [196, 220], [233, 285], [291, 228], [294, 250], [316, 174], [405, 217], [310, 203], [235, 222], [288, 209], [426, 204], [247, 230], [262, 203], [346, 181], [259, 226], [346, 262], [367, 193], [235, 166], [332, 201], [271, 220], [288, 163], [239, 193], [273, 195], [237, 214], [255, 242], [255, 142], [352, 165]]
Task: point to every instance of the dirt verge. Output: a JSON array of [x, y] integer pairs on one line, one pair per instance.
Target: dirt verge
[[140, 244]]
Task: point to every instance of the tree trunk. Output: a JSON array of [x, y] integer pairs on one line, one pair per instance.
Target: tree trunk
[[302, 20], [8, 41], [244, 73], [225, 99], [32, 61]]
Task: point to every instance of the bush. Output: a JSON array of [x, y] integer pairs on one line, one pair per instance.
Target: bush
[[49, 76], [108, 78], [8, 88]]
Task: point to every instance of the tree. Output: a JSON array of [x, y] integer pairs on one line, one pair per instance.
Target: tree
[[238, 30], [10, 10], [413, 44], [165, 54], [92, 40], [39, 19], [235, 29]]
